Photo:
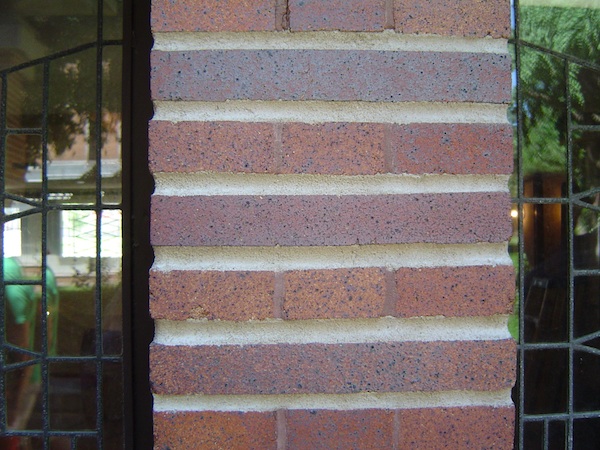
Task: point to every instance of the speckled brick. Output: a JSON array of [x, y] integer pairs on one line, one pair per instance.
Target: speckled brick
[[213, 15], [343, 15], [334, 294], [452, 148], [470, 428], [322, 429], [367, 75], [333, 148], [238, 296], [210, 146], [215, 430], [333, 368], [477, 18], [455, 291], [330, 220]]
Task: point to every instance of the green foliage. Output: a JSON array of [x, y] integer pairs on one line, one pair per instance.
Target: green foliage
[[543, 80]]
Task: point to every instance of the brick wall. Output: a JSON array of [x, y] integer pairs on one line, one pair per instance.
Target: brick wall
[[330, 223]]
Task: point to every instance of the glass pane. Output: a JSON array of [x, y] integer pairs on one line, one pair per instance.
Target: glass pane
[[586, 306], [586, 164], [544, 146], [586, 385], [66, 238], [113, 19], [111, 126], [568, 27], [72, 130], [22, 394], [72, 394], [24, 99], [585, 238], [546, 381], [586, 434], [32, 29], [583, 85], [23, 165]]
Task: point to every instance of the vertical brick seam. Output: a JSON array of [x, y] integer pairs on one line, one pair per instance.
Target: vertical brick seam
[[282, 15]]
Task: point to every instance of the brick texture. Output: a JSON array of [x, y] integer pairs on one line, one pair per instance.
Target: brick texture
[[457, 428], [452, 148], [180, 295], [478, 18], [344, 15], [215, 430], [278, 149], [327, 430], [455, 291], [330, 220], [213, 15], [334, 294], [341, 75], [211, 146], [333, 368], [331, 148]]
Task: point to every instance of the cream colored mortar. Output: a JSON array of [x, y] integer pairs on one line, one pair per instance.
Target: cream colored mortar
[[210, 183], [326, 40], [331, 331], [265, 403], [278, 259], [313, 112]]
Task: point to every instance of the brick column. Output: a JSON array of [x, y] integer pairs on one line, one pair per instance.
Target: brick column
[[330, 223]]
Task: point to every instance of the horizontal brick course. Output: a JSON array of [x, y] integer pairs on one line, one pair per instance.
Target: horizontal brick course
[[333, 368], [334, 294], [180, 295], [455, 291], [213, 15], [478, 18], [457, 428], [215, 430], [340, 75], [477, 427], [331, 149], [343, 15], [321, 429], [330, 220]]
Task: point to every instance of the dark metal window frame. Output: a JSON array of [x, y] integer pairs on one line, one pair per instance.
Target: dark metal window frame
[[137, 254], [572, 343]]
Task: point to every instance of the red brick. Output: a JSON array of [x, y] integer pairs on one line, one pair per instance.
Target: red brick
[[211, 146], [477, 18], [333, 148], [455, 291], [367, 75], [457, 428], [333, 368], [452, 148], [215, 430], [238, 296], [322, 429], [213, 15], [330, 220], [334, 294], [343, 15]]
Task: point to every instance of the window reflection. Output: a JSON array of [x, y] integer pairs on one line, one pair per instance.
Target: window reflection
[[558, 205], [62, 222]]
